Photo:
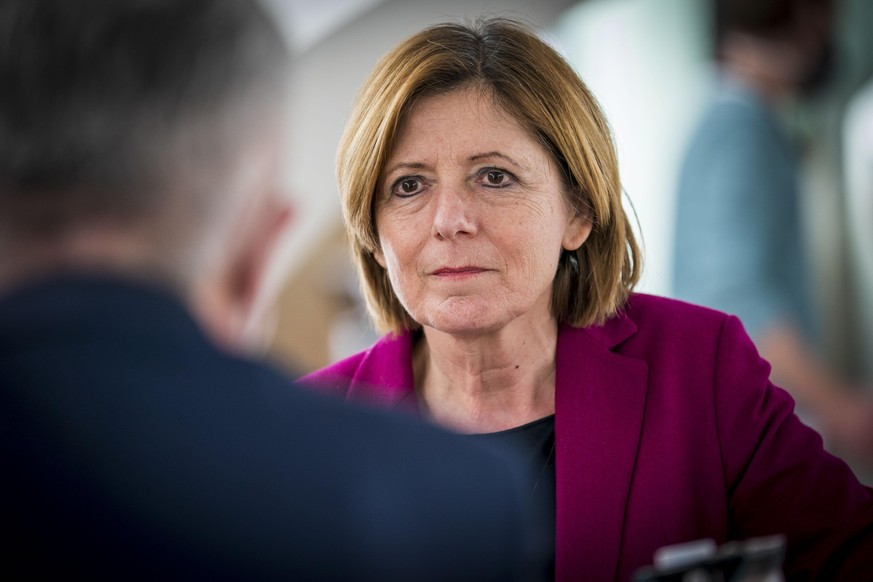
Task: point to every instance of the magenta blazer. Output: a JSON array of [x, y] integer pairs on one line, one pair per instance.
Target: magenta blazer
[[667, 430]]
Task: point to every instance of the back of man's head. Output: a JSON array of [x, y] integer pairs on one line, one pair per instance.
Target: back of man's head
[[133, 117]]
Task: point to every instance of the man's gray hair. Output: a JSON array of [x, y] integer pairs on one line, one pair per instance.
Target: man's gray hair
[[114, 110]]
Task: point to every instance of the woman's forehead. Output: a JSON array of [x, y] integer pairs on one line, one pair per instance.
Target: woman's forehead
[[467, 119]]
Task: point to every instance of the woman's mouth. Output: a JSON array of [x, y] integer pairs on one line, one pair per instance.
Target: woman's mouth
[[458, 271]]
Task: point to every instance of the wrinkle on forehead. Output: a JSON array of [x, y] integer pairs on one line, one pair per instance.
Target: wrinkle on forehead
[[471, 99]]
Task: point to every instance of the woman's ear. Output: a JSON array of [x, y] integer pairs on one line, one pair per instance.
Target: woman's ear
[[577, 231], [380, 257]]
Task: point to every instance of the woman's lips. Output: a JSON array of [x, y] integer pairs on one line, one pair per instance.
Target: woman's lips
[[458, 271]]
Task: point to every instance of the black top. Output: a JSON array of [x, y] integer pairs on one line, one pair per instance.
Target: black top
[[534, 442]]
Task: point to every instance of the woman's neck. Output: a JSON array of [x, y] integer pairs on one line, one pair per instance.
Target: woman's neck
[[490, 382]]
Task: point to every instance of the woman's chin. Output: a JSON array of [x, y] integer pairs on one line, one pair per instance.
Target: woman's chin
[[464, 320]]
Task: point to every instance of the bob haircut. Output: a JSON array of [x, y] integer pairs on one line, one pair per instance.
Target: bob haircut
[[537, 87]]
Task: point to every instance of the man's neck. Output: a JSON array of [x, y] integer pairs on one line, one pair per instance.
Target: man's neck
[[113, 251]]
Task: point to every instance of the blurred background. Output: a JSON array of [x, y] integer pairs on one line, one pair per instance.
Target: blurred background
[[649, 62]]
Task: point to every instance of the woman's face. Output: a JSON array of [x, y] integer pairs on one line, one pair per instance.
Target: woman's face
[[472, 217]]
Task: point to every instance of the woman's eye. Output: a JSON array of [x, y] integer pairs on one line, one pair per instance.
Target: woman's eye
[[496, 178], [406, 187]]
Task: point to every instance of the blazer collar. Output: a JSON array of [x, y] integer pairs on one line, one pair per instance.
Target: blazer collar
[[385, 377], [600, 397]]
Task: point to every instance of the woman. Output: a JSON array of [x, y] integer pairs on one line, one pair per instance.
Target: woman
[[481, 189]]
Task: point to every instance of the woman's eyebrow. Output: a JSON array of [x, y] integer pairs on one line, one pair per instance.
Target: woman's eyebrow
[[404, 166], [500, 155], [474, 158]]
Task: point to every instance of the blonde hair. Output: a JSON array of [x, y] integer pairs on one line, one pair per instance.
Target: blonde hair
[[535, 85]]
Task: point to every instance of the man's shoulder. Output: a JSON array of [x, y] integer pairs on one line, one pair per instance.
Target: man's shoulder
[[346, 490], [411, 485], [732, 122]]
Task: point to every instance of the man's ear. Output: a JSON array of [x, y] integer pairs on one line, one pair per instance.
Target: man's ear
[[246, 270], [248, 273], [225, 301]]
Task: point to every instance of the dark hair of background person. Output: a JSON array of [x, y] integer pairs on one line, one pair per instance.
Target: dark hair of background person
[[133, 113], [805, 25], [530, 81], [763, 18]]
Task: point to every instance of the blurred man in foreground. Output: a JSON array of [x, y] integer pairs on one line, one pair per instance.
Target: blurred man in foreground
[[139, 154]]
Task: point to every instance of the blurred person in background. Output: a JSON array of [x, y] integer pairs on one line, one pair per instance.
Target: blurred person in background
[[139, 204], [740, 245], [857, 143], [480, 187]]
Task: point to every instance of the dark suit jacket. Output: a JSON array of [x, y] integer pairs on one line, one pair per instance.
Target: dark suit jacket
[[667, 430], [133, 448]]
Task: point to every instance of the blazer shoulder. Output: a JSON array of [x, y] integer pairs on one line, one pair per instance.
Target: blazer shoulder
[[653, 309], [671, 322]]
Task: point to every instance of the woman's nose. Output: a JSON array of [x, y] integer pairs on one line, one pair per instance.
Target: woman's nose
[[455, 213]]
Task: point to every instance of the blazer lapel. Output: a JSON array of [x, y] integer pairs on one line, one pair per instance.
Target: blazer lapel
[[384, 377], [599, 404]]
